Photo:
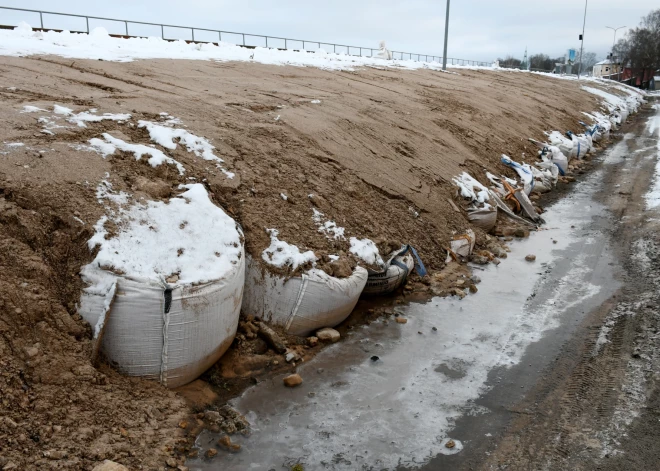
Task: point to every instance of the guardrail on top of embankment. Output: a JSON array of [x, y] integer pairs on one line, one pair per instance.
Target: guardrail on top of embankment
[[244, 39]]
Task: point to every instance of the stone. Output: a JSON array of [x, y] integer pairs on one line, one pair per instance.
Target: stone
[[292, 381], [312, 341], [271, 337], [401, 320], [108, 465], [171, 462], [450, 444], [435, 329], [211, 452], [475, 279], [212, 416], [520, 232], [31, 352], [480, 259], [530, 257], [375, 358], [226, 443], [473, 288], [328, 335], [291, 356]]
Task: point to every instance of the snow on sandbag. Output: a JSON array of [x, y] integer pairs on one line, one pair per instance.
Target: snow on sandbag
[[524, 171], [461, 246], [394, 272], [301, 304], [164, 292], [484, 218]]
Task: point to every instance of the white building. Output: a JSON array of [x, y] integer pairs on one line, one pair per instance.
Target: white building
[[606, 68]]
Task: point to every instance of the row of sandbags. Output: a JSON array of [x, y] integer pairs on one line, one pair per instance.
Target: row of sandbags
[[554, 155], [173, 329]]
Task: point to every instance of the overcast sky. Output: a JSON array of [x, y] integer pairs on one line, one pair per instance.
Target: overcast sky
[[479, 29]]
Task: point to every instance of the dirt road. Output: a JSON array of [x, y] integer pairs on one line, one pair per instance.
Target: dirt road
[[553, 365]]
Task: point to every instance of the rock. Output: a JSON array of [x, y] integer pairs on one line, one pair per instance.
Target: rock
[[271, 338], [341, 268], [154, 188], [475, 279], [31, 352], [328, 335], [226, 443], [473, 288], [171, 462], [434, 329], [459, 283], [108, 465], [530, 257], [11, 466], [291, 356], [212, 416], [401, 320], [520, 232], [480, 259], [211, 452], [55, 454], [312, 341], [182, 468], [450, 444], [554, 241], [292, 381], [375, 358]]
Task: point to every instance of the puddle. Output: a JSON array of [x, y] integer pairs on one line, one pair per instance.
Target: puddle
[[355, 413]]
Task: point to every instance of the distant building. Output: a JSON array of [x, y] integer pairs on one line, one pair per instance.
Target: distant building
[[606, 69], [655, 83]]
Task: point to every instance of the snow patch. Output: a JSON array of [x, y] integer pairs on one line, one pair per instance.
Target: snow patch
[[156, 158], [281, 254], [366, 250]]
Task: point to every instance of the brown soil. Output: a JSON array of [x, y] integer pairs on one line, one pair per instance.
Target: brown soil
[[377, 153]]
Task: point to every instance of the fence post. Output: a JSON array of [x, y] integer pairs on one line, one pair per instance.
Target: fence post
[[319, 45], [162, 32], [360, 52], [41, 18], [219, 37], [126, 24], [192, 30], [334, 48], [87, 21], [303, 45], [243, 38], [285, 46]]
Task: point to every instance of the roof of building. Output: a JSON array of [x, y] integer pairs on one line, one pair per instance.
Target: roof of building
[[604, 62]]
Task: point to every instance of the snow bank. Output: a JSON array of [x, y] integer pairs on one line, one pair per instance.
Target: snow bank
[[99, 45]]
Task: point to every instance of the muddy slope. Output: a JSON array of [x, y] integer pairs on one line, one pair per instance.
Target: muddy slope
[[378, 153]]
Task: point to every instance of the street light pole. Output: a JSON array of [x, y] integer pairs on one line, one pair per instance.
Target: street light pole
[[614, 40], [582, 38], [444, 55]]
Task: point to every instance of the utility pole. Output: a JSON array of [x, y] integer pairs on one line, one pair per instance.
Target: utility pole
[[582, 38], [444, 55]]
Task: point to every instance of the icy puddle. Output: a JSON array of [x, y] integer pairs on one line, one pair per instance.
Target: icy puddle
[[355, 413]]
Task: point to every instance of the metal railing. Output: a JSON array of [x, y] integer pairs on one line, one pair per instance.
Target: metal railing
[[349, 49]]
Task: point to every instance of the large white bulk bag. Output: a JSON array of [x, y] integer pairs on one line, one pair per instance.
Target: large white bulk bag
[[171, 332], [301, 304], [393, 275]]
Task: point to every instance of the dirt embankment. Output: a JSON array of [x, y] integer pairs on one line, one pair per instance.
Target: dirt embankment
[[377, 154]]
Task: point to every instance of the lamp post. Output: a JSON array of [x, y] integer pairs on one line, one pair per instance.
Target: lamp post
[[614, 40], [444, 55], [582, 38]]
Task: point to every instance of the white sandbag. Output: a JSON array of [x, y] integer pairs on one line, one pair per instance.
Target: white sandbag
[[484, 218], [542, 180], [301, 304], [552, 170], [393, 276], [557, 157], [383, 52], [462, 245], [167, 331], [524, 171]]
